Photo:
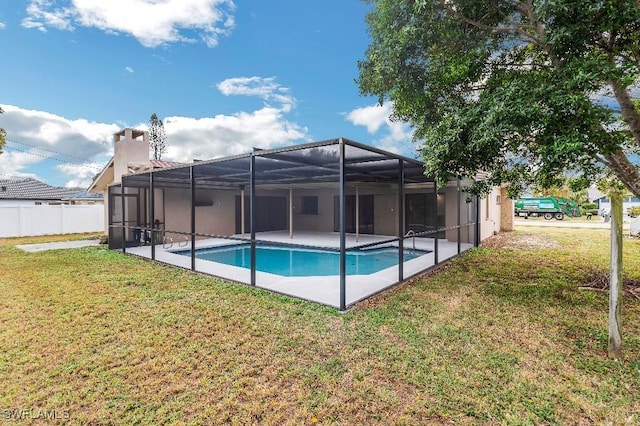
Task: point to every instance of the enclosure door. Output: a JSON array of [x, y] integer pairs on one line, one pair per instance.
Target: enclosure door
[[365, 216], [131, 216], [421, 214]]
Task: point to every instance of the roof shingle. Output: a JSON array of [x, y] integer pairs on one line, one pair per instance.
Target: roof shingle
[[31, 189]]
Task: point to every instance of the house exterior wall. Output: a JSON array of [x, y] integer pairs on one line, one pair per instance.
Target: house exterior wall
[[217, 219], [323, 221], [450, 194], [172, 208], [604, 205], [85, 202], [496, 213], [15, 203], [220, 218], [467, 213], [385, 203], [48, 202], [386, 214]]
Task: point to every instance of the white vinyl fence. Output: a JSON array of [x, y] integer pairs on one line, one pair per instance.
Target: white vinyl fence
[[634, 227], [21, 221]]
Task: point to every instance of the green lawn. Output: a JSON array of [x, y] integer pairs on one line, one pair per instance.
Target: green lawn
[[501, 335]]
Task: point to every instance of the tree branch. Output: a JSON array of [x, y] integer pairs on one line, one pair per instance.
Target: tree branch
[[600, 159], [627, 108], [625, 170], [518, 29]]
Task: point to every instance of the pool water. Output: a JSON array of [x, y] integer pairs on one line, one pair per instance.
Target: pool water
[[299, 262]]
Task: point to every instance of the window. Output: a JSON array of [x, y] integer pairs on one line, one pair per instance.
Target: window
[[310, 205], [487, 204], [204, 198]]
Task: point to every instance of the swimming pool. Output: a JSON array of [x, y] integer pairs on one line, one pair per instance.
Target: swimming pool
[[301, 262]]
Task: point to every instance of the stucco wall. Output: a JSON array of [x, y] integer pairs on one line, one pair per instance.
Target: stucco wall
[[386, 214], [323, 221], [385, 204], [450, 194], [220, 218], [496, 213], [217, 219]]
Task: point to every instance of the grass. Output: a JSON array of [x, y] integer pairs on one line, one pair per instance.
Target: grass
[[500, 335], [47, 239]]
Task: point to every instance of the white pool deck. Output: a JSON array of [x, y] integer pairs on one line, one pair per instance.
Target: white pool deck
[[321, 289]]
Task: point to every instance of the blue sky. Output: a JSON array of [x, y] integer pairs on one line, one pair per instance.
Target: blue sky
[[224, 75]]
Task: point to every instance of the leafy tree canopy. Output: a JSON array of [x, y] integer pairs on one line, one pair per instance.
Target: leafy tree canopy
[[522, 89]]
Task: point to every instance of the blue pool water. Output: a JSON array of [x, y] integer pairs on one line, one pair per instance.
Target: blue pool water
[[299, 262]]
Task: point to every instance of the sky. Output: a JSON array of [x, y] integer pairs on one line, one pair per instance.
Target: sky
[[224, 75]]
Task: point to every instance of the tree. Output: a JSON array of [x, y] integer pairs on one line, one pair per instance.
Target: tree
[[525, 90], [157, 137], [616, 191], [511, 87], [3, 135]]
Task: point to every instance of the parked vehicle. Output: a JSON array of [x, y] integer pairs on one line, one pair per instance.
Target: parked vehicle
[[547, 207]]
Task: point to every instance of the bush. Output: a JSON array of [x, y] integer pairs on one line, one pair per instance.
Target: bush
[[589, 206], [634, 211]]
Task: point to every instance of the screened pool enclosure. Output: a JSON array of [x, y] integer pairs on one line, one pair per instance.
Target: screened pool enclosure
[[332, 222]]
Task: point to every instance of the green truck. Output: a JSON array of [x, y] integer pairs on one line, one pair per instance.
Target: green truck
[[547, 207]]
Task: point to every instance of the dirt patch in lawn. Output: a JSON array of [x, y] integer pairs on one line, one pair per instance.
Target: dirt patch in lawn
[[516, 240], [599, 281]]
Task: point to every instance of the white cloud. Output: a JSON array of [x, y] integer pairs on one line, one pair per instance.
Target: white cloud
[[129, 70], [187, 138], [71, 137], [393, 136], [2, 26], [372, 117], [265, 88], [39, 15], [34, 135], [15, 163], [222, 135], [81, 175], [152, 22]]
